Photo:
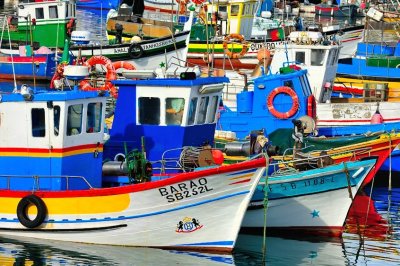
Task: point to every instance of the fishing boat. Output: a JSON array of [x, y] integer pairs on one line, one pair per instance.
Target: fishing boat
[[97, 4], [315, 201], [39, 66], [27, 52], [375, 65], [54, 195], [272, 105], [232, 39], [342, 10], [33, 20]]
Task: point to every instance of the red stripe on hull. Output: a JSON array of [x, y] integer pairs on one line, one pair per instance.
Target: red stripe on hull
[[142, 186]]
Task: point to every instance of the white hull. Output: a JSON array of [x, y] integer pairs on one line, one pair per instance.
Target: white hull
[[341, 114], [150, 220]]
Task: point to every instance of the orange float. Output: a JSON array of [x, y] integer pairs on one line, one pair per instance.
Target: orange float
[[295, 102], [241, 39], [111, 75], [123, 64]]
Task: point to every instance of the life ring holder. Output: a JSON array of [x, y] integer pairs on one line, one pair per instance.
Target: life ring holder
[[311, 106], [58, 74], [295, 102], [70, 26], [111, 75], [241, 39], [135, 51], [22, 211]]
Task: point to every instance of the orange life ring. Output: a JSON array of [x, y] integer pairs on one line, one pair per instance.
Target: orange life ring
[[123, 64], [311, 106], [241, 39], [111, 75], [295, 102]]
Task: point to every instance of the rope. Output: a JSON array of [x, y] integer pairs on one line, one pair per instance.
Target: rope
[[265, 203]]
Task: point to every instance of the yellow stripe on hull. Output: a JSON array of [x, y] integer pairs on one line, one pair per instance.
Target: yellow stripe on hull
[[73, 205], [49, 154]]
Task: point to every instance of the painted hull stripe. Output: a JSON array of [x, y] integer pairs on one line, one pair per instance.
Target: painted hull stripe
[[123, 218], [217, 243]]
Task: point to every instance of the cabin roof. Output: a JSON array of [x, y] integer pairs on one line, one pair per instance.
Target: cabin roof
[[285, 76], [42, 96], [172, 82]]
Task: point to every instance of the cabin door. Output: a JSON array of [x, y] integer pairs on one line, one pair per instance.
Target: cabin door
[[39, 146]]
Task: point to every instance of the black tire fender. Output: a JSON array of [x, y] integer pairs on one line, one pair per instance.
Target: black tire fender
[[135, 50], [22, 211]]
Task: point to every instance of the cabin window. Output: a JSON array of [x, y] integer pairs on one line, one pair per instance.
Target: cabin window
[[192, 111], [38, 122], [300, 57], [222, 8], [74, 121], [39, 13], [149, 110], [304, 85], [213, 109], [317, 57], [201, 118], [56, 115], [93, 121], [234, 10], [53, 12], [174, 110], [288, 83]]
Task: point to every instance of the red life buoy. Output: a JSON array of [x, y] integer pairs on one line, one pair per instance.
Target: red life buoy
[[123, 64], [111, 75], [295, 102], [311, 106]]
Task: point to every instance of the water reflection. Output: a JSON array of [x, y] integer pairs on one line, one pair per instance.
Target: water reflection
[[38, 252]]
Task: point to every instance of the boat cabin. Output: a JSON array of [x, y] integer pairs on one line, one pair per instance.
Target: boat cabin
[[311, 51], [35, 19], [156, 115], [55, 135], [276, 100]]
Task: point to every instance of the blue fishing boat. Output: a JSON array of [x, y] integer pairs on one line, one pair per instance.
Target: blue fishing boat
[[98, 5], [38, 66]]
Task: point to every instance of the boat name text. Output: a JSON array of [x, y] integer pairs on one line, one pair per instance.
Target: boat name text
[[185, 190]]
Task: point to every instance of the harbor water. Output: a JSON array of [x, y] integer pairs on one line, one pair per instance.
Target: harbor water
[[372, 234]]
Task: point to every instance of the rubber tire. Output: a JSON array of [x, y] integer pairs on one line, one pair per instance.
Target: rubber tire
[[23, 215], [132, 53]]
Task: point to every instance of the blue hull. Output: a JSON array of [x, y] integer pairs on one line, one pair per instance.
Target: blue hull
[[357, 66], [23, 67], [98, 4]]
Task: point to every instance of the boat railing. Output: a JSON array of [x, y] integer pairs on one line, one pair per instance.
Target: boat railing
[[6, 181]]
